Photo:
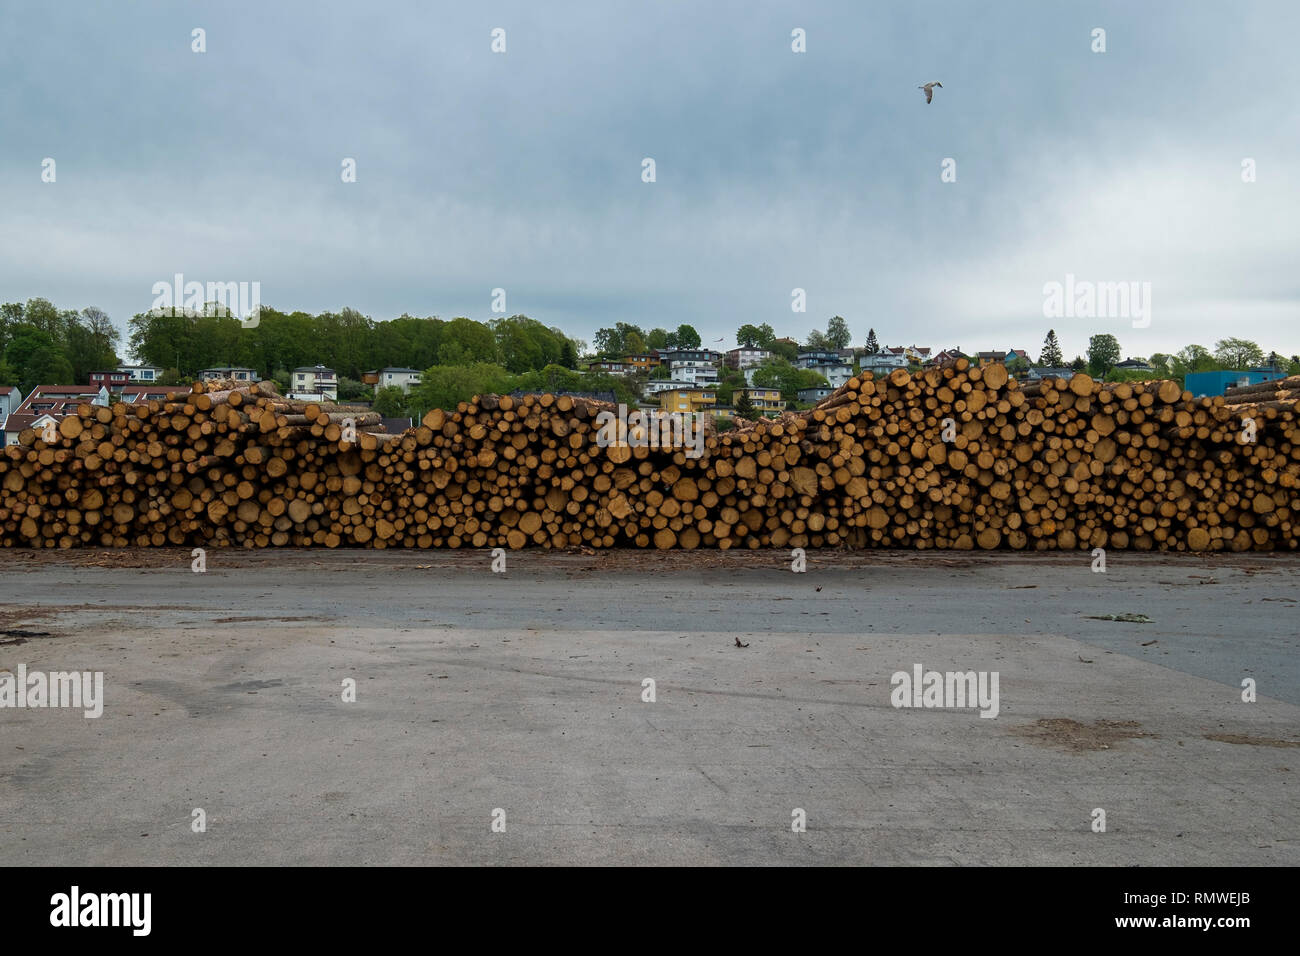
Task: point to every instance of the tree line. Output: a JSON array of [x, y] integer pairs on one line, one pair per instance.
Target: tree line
[[43, 345]]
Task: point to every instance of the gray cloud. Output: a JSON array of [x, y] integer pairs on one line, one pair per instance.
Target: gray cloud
[[775, 170]]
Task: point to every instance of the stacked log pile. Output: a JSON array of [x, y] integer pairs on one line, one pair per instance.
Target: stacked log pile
[[952, 457]]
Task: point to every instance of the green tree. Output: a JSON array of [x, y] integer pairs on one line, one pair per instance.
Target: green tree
[[443, 386], [1078, 365], [816, 342], [686, 337], [350, 389], [778, 373], [1238, 354], [750, 337], [1051, 356], [745, 407], [837, 333], [873, 346], [656, 339], [35, 359], [1103, 353], [390, 402], [1193, 358], [1162, 363]]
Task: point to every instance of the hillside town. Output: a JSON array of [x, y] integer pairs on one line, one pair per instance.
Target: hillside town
[[51, 361]]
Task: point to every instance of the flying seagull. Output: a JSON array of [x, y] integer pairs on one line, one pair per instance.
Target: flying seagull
[[929, 89]]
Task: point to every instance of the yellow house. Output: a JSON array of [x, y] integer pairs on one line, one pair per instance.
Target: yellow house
[[764, 400], [688, 399]]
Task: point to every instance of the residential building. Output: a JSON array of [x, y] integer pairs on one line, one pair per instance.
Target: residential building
[[1038, 373], [1013, 354], [693, 371], [392, 377], [811, 396], [657, 385], [642, 361], [766, 401], [1134, 365], [224, 372], [10, 398], [809, 359], [140, 394], [616, 366], [50, 403], [112, 379], [142, 374], [690, 399], [836, 372], [708, 356], [312, 382], [745, 357], [947, 356], [884, 362]]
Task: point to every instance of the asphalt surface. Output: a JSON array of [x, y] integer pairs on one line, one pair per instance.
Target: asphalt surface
[[522, 692]]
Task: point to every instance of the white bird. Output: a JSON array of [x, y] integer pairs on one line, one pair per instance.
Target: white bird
[[929, 89]]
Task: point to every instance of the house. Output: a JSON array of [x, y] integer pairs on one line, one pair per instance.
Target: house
[[885, 361], [689, 399], [142, 374], [766, 401], [392, 377], [10, 398], [811, 396], [617, 367], [989, 358], [836, 373], [312, 382], [693, 371], [707, 356], [745, 357], [1013, 354], [226, 372], [50, 403], [808, 359], [141, 394], [1037, 374], [657, 385], [113, 379], [947, 357], [641, 361], [1134, 365]]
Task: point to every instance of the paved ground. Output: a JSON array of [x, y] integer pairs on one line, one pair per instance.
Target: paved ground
[[522, 691]]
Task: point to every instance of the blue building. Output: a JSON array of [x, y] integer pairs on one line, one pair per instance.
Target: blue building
[[1204, 384]]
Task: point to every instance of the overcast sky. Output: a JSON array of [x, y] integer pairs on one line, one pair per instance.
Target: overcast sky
[[775, 170]]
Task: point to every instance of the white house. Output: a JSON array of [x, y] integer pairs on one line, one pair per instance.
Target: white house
[[694, 371], [312, 383], [226, 372], [142, 374], [402, 378], [744, 357]]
